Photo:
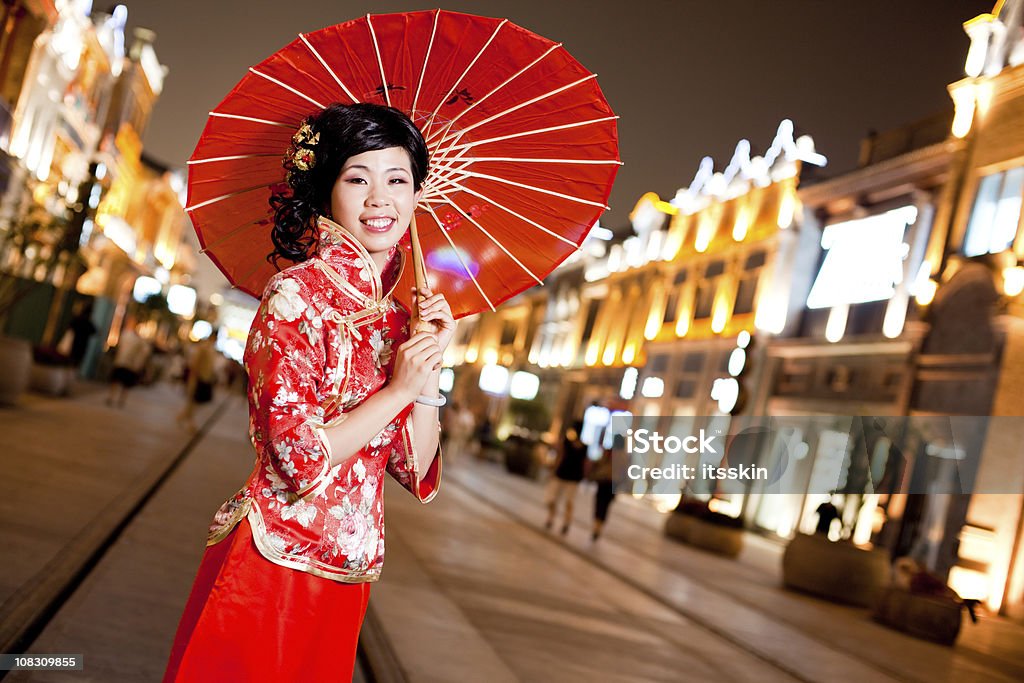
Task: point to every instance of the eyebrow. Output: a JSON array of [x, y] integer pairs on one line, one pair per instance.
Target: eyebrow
[[367, 168]]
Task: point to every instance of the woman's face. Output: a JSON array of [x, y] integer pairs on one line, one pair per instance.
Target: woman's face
[[374, 199]]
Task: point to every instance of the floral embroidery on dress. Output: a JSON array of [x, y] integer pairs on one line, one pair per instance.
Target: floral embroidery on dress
[[381, 345], [286, 303]]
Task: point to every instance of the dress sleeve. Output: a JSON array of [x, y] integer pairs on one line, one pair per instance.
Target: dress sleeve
[[401, 463], [285, 360]]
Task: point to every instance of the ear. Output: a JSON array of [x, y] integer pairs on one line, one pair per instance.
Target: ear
[[419, 193]]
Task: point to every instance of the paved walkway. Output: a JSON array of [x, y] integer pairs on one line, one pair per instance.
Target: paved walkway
[[741, 599], [473, 588]]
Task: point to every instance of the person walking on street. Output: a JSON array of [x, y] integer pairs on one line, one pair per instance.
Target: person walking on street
[[82, 329], [568, 473], [602, 474], [129, 365], [458, 430], [202, 378]]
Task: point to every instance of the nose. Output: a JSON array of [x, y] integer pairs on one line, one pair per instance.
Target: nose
[[377, 197]]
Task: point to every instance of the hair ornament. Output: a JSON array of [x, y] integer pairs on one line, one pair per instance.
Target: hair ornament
[[302, 155]]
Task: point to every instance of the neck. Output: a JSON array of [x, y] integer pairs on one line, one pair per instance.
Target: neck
[[380, 258]]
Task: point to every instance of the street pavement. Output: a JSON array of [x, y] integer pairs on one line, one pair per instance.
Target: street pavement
[[473, 588]]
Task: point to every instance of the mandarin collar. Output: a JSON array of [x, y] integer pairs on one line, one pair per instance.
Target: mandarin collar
[[338, 248]]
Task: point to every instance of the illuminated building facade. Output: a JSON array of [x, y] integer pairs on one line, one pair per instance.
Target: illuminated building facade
[[82, 106]]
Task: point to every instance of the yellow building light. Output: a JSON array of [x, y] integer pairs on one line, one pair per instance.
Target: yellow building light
[[964, 96], [1013, 280], [835, 328], [656, 314], [491, 356], [721, 309], [744, 217], [471, 354], [926, 292], [787, 205], [629, 353], [706, 225]]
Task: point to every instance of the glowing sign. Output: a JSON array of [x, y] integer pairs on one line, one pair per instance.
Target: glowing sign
[[182, 300], [145, 287], [864, 260], [494, 379], [524, 386]]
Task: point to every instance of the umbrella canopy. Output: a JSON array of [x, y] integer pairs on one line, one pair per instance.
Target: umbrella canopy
[[523, 147]]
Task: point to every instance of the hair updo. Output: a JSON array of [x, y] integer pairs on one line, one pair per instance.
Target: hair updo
[[314, 162]]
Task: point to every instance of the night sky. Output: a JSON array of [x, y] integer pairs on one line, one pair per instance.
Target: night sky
[[688, 77]]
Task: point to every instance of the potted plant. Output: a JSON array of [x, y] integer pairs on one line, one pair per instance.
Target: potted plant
[[920, 603], [524, 449], [33, 250], [693, 522]]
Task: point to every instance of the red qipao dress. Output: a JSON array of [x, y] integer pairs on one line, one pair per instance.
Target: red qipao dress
[[285, 580]]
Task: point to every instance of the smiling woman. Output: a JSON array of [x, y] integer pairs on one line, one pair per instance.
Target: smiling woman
[[340, 395]]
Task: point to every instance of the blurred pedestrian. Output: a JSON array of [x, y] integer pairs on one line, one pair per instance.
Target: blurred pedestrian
[[202, 378], [601, 473], [458, 430], [129, 365], [334, 408], [568, 473], [82, 329], [827, 513]]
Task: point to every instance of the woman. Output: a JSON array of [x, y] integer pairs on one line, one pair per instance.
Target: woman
[[202, 377], [339, 394], [568, 473]]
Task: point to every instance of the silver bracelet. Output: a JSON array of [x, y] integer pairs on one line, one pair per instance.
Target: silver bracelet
[[433, 402]]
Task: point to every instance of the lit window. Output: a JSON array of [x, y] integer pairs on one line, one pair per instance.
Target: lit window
[[996, 213]]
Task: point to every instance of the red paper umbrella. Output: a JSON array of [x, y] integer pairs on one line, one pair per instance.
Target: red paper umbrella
[[523, 147]]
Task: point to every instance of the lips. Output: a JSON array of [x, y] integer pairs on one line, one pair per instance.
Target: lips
[[378, 223]]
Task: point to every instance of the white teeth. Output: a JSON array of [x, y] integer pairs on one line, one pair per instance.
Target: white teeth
[[378, 222]]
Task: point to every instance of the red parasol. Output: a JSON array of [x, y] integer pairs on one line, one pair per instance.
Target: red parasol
[[523, 147]]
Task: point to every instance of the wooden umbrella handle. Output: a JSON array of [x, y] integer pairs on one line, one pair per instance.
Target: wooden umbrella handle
[[420, 272]]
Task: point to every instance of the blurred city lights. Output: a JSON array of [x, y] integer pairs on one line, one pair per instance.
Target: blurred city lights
[[524, 386], [145, 287], [494, 379], [446, 380], [181, 300], [201, 329]]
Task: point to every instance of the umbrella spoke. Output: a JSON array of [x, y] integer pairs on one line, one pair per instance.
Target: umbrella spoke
[[426, 58], [329, 69], [380, 61], [519, 106], [287, 87], [505, 181], [525, 133], [190, 162], [249, 118], [521, 217], [506, 82], [228, 235], [529, 160], [249, 273], [221, 198], [458, 81], [455, 251], [496, 242]]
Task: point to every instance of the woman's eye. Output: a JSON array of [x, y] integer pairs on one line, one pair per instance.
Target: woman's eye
[[357, 181], [398, 181]]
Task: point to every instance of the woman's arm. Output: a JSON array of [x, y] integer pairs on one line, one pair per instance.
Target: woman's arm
[[414, 370]]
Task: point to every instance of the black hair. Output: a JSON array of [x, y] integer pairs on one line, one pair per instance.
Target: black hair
[[336, 133]]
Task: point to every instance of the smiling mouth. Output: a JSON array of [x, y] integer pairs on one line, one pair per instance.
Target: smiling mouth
[[378, 224]]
